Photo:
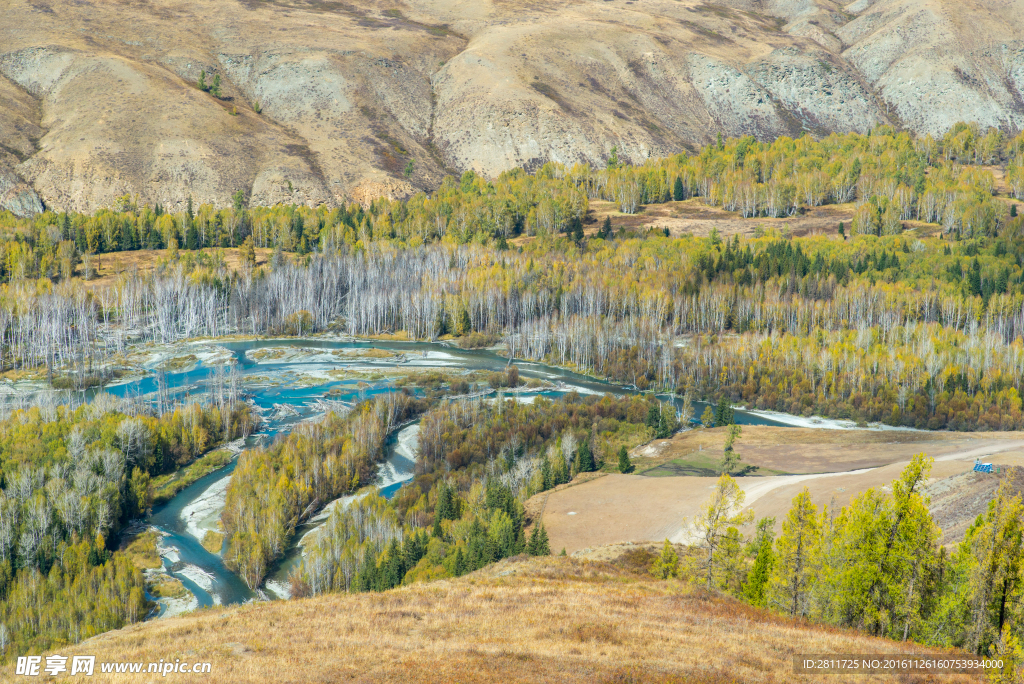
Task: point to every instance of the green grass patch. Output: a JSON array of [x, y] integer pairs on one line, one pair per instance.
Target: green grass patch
[[166, 486]]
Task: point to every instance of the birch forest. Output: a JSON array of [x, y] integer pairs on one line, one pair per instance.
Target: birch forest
[[910, 316]]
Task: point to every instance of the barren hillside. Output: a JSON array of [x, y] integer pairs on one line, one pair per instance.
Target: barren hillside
[[520, 620], [98, 99]]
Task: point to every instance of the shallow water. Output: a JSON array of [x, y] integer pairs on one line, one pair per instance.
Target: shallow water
[[291, 395]]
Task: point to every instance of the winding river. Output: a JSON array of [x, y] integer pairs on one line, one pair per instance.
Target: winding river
[[287, 382]]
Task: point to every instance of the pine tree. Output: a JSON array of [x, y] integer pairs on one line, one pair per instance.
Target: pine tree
[[201, 84], [538, 544], [543, 546], [1013, 211], [437, 532], [666, 565], [724, 413], [723, 510], [547, 477], [607, 232], [625, 465], [678, 193], [215, 87], [730, 562], [730, 458], [577, 231], [793, 570], [707, 418], [586, 458], [757, 581]]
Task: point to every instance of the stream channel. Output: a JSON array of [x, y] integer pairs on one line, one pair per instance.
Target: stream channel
[[286, 383]]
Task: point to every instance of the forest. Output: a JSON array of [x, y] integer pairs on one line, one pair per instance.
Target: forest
[[913, 315], [478, 462], [72, 480], [875, 566], [876, 325]]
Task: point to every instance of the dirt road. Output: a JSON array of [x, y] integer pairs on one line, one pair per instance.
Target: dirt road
[[620, 508]]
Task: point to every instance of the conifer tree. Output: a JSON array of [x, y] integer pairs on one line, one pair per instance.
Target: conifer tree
[[678, 193], [707, 418], [625, 465], [793, 570], [586, 458], [756, 586], [730, 458], [722, 511], [666, 565]]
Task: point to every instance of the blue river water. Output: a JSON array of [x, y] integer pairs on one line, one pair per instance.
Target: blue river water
[[287, 387]]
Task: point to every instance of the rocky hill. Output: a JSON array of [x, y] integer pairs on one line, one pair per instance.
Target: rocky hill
[[520, 620], [326, 102]]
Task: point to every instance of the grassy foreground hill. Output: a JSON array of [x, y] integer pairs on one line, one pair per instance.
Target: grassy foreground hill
[[524, 619]]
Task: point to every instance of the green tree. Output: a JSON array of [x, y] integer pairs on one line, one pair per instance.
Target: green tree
[[723, 510], [613, 158], [793, 570], [678, 192], [625, 465], [996, 570], [607, 232], [666, 565], [730, 562], [201, 84], [586, 457], [239, 200], [755, 589], [248, 252], [463, 325], [215, 86], [192, 238], [730, 458], [882, 549], [724, 414], [575, 229], [707, 419], [538, 544]]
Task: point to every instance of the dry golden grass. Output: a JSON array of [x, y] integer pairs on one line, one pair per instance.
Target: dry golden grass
[[812, 450], [141, 550], [521, 620], [109, 266], [213, 541]]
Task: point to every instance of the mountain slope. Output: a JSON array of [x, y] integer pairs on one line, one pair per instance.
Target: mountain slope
[[526, 620], [350, 93]]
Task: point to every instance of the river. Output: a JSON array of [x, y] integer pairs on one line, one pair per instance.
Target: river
[[288, 381]]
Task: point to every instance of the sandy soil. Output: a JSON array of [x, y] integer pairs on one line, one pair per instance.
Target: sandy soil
[[622, 508]]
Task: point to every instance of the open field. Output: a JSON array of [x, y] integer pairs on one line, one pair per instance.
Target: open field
[[834, 465], [520, 620], [107, 267]]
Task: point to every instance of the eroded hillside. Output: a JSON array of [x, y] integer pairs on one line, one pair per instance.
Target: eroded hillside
[[326, 102]]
